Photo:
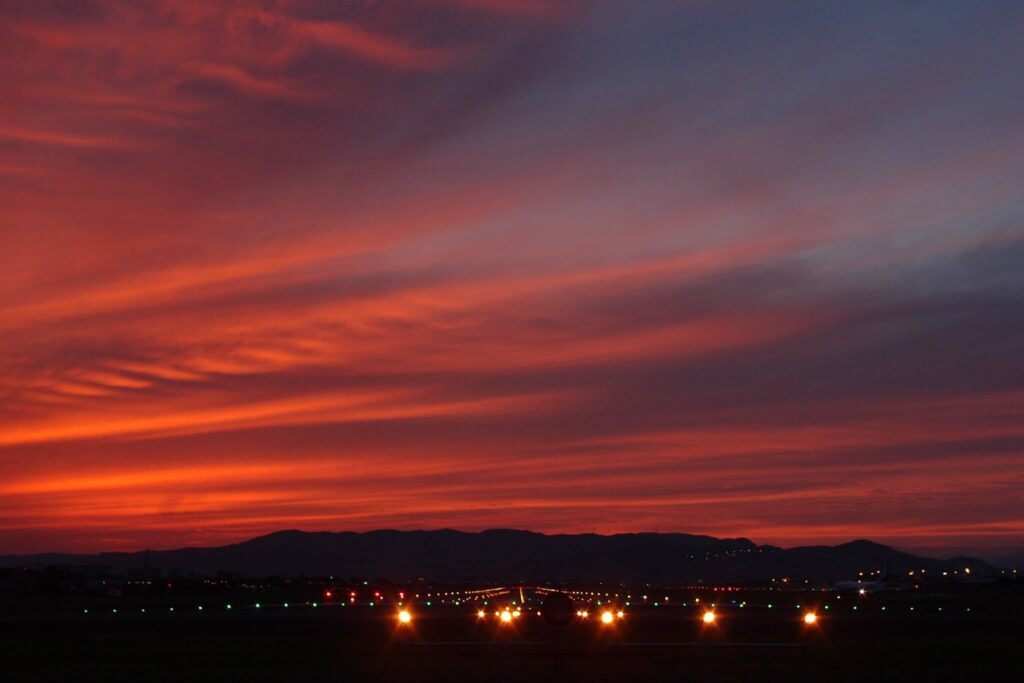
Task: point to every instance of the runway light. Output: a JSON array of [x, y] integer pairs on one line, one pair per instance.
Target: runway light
[[506, 616], [709, 617], [620, 614], [404, 616], [481, 614], [810, 618], [607, 617]]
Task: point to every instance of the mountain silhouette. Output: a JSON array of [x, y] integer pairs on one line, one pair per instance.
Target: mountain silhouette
[[512, 555]]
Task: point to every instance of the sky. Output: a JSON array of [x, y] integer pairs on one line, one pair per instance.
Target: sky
[[736, 268]]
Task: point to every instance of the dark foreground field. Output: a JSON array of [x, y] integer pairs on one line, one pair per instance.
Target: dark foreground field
[[303, 644]]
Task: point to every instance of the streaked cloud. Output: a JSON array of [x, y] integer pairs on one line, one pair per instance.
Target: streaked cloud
[[556, 265]]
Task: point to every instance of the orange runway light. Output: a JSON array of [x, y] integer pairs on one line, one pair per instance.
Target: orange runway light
[[404, 617], [709, 617], [607, 617], [810, 618], [506, 616]]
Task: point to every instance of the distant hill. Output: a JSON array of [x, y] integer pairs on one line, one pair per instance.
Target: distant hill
[[510, 555]]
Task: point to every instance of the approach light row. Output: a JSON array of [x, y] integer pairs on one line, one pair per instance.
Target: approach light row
[[507, 616]]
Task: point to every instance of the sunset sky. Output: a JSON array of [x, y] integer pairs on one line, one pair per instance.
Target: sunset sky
[[735, 268]]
